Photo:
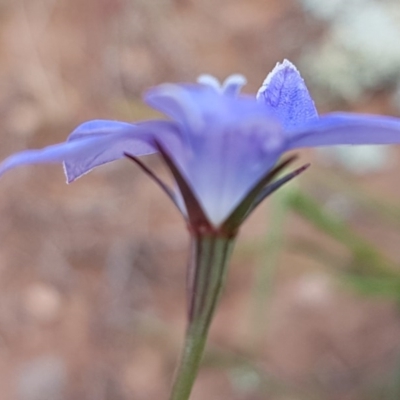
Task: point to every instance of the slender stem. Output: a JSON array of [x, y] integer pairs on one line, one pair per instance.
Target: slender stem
[[272, 248], [207, 273], [367, 258]]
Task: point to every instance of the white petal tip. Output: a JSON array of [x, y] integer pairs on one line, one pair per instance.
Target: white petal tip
[[209, 80]]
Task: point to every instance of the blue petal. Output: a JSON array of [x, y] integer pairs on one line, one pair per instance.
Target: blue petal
[[176, 102], [232, 144], [91, 144], [194, 106], [111, 139], [286, 96], [346, 128], [226, 164]]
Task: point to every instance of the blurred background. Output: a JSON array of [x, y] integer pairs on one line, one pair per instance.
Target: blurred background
[[92, 275]]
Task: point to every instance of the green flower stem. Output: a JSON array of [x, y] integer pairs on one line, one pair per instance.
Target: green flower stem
[[207, 273], [272, 248]]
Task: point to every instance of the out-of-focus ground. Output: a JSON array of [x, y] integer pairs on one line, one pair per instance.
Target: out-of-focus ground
[[92, 275]]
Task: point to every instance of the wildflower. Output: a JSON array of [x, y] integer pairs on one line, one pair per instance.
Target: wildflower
[[222, 148], [219, 144]]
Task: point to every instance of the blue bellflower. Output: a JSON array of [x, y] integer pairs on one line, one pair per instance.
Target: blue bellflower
[[222, 149], [220, 145]]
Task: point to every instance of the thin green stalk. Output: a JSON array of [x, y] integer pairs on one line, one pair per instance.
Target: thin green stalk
[[207, 274], [365, 198], [272, 248], [366, 256]]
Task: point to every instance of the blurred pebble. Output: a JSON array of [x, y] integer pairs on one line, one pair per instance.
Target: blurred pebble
[[44, 378], [340, 206], [313, 290], [42, 302]]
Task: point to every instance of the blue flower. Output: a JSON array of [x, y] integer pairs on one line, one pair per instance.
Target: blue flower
[[220, 146]]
